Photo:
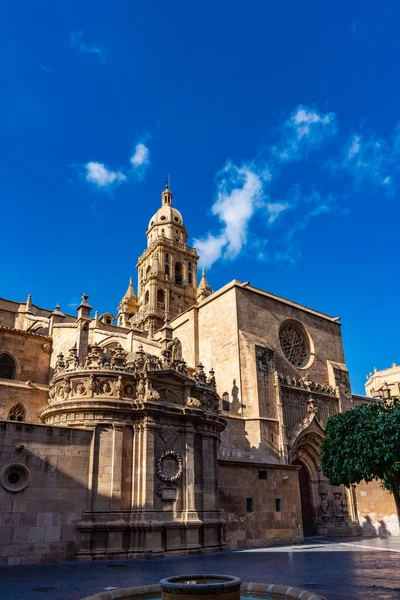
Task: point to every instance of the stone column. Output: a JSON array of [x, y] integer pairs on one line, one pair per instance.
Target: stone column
[[209, 474], [282, 427], [107, 466], [167, 298], [116, 468], [188, 475], [153, 294], [82, 339], [102, 467], [153, 542], [148, 467]]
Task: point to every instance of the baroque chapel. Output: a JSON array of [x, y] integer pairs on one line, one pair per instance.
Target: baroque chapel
[[190, 421]]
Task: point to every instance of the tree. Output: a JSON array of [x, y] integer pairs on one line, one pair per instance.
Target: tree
[[364, 444]]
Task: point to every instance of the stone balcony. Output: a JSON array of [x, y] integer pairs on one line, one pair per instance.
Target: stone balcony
[[115, 388]]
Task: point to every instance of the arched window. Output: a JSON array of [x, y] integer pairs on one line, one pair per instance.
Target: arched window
[[160, 299], [190, 278], [146, 297], [16, 413], [177, 349], [167, 270], [178, 273], [225, 402], [7, 367], [190, 265], [148, 270]]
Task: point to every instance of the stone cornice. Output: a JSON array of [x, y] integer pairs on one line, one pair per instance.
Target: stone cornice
[[246, 286], [23, 332], [257, 465], [25, 385]]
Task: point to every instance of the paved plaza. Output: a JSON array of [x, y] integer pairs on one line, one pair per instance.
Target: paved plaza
[[368, 569]]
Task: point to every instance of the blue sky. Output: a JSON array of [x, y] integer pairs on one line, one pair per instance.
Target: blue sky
[[279, 125]]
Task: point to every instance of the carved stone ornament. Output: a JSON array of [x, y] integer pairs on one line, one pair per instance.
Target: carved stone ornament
[[171, 396], [193, 402], [167, 493], [79, 389], [169, 466], [105, 387]]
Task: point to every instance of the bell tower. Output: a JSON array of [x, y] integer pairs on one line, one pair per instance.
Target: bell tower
[[167, 269]]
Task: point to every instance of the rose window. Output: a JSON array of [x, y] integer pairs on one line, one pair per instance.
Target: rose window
[[294, 345]]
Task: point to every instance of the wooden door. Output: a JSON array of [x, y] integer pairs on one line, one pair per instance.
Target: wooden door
[[306, 504]]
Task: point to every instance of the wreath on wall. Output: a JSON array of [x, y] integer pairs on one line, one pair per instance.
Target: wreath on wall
[[169, 456]]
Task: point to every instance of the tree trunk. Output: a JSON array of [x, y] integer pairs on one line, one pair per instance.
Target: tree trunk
[[395, 481]]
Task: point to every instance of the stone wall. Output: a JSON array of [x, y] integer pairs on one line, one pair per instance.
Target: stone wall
[[29, 388], [376, 510], [37, 523], [209, 335], [31, 396], [261, 504], [31, 352], [259, 318]]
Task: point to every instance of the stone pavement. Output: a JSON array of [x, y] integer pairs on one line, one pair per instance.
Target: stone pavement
[[340, 569]]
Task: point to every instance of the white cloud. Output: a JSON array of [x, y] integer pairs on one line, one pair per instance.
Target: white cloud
[[210, 249], [75, 41], [103, 177], [98, 174], [140, 161], [305, 130], [368, 160], [354, 147], [285, 248], [45, 68], [141, 156], [239, 195], [73, 303], [275, 209]]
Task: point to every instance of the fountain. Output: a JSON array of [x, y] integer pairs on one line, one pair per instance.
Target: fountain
[[207, 587], [201, 587]]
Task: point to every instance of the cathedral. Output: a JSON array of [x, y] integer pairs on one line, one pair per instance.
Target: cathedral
[[189, 421]]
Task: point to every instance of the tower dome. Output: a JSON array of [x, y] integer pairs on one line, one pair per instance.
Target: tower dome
[[167, 221]]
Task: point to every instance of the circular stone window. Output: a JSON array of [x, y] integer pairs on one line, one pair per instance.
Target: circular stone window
[[294, 344], [176, 219], [15, 478]]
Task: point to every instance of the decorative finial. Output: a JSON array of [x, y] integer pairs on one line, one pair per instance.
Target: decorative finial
[[85, 297], [166, 194], [29, 302], [130, 280], [58, 307]]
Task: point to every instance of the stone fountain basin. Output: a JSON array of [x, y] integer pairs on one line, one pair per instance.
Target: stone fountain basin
[[248, 591]]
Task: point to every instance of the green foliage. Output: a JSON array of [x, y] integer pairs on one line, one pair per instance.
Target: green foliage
[[363, 444]]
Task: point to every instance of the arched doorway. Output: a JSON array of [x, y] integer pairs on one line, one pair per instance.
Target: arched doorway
[[306, 501]]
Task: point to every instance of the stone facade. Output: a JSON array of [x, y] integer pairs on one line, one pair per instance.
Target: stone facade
[[152, 452], [383, 383]]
